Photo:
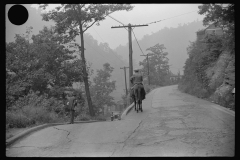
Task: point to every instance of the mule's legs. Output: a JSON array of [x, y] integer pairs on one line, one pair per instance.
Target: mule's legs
[[136, 99], [140, 104], [137, 108], [139, 98]]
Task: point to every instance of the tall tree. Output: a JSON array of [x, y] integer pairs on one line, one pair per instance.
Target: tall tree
[[103, 86], [74, 19], [158, 64]]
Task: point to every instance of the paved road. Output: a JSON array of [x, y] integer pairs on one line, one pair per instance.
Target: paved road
[[171, 124]]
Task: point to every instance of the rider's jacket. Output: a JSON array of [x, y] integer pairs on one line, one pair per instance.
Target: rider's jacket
[[136, 78]]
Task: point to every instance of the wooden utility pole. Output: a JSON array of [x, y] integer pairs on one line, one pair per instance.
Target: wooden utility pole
[[125, 79], [129, 26], [148, 67], [130, 54]]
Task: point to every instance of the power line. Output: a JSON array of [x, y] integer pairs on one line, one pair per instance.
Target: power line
[[137, 42], [104, 41], [156, 22], [98, 34], [117, 21], [132, 31], [149, 23], [126, 29], [101, 53], [171, 17]]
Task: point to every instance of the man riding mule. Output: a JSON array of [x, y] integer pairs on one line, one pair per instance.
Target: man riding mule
[[137, 91], [137, 80]]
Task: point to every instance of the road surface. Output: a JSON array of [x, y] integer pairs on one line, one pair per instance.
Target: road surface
[[171, 124]]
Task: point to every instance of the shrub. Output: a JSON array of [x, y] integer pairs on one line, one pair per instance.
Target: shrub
[[83, 118], [30, 115], [39, 109], [227, 99], [101, 118], [42, 116], [17, 120]]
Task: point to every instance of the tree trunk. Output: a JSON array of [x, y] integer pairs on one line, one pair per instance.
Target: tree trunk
[[85, 75]]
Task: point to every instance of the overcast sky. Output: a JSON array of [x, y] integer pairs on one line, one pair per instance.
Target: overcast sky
[[141, 14]]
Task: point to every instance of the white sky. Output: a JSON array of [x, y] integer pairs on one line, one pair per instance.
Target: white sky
[[141, 14]]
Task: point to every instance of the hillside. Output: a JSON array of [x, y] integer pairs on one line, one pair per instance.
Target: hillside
[[210, 68]]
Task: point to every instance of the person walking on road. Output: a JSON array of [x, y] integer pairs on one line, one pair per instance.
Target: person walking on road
[[72, 102]]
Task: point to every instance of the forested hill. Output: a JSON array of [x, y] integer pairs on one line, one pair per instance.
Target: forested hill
[[99, 53], [176, 41]]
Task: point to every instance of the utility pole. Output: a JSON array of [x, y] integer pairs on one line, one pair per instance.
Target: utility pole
[[129, 26], [130, 54], [125, 79], [148, 66]]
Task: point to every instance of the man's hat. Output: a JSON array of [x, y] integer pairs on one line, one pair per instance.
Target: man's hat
[[136, 70]]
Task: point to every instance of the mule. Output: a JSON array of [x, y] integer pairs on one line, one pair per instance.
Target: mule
[[138, 96]]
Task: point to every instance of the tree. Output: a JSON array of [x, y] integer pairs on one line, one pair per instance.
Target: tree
[[223, 17], [38, 65], [56, 59], [217, 13], [102, 87], [124, 100], [158, 64], [18, 63], [74, 19]]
